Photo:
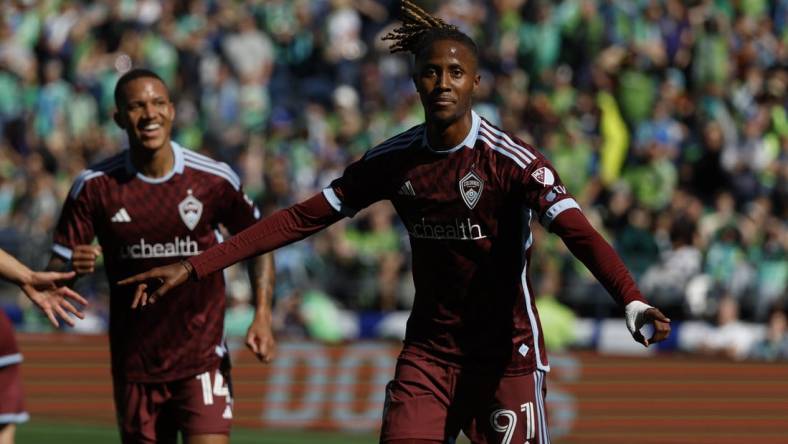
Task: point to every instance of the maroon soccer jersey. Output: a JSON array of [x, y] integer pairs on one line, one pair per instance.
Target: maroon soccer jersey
[[468, 211], [144, 222], [12, 399], [9, 352]]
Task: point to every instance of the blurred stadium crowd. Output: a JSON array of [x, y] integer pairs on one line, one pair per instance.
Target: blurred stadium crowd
[[666, 118]]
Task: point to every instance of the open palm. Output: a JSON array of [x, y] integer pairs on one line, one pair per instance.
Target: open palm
[[54, 299]]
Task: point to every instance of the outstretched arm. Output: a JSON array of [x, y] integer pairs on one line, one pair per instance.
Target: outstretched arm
[[587, 244], [281, 228], [44, 288], [14, 271]]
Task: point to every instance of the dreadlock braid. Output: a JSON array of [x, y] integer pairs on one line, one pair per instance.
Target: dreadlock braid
[[419, 29]]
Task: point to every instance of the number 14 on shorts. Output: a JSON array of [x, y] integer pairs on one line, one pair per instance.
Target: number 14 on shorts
[[216, 389]]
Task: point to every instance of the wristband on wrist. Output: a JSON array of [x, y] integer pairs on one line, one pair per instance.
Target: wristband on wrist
[[189, 269], [633, 314]]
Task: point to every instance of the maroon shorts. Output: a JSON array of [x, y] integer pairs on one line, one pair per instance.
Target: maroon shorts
[[12, 400], [155, 412], [428, 400]]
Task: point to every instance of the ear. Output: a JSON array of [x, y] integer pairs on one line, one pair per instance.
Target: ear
[[118, 118]]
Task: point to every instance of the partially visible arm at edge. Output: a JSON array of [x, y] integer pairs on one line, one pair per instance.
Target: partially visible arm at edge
[[13, 270]]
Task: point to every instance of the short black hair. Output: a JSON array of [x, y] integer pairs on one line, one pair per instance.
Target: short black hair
[[420, 30], [133, 74]]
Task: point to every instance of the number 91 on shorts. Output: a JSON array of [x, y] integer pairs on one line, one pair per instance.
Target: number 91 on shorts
[[427, 400]]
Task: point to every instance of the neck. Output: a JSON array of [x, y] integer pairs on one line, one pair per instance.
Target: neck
[[153, 163], [442, 135]]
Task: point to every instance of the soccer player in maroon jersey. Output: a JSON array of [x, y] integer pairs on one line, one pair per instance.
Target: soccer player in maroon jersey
[[154, 204], [474, 357], [45, 289]]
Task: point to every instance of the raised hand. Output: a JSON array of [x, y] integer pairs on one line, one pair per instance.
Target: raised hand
[[160, 279], [639, 314], [83, 258], [44, 289]]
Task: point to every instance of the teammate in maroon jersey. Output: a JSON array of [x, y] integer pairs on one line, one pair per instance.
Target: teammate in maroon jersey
[[153, 204], [474, 357], [45, 289]]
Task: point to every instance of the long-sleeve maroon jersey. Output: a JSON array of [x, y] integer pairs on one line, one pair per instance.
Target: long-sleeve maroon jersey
[[141, 223], [468, 211]]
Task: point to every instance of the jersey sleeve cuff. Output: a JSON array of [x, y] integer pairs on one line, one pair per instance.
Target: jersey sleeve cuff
[[635, 296], [62, 251], [196, 272], [336, 203], [10, 359]]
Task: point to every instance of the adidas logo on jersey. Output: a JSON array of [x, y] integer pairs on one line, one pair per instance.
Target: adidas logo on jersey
[[406, 189], [121, 216]]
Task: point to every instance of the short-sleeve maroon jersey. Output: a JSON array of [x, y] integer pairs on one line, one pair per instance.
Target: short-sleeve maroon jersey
[[141, 223], [9, 352], [468, 212]]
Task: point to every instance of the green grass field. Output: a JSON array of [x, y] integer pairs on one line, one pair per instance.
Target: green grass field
[[41, 432]]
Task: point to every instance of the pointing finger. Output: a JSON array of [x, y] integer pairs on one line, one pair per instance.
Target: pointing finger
[[139, 294], [55, 276], [136, 279]]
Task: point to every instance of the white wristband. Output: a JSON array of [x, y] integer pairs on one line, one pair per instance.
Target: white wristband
[[634, 312]]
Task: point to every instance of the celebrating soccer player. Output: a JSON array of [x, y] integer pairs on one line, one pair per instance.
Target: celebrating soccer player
[[153, 204], [474, 357]]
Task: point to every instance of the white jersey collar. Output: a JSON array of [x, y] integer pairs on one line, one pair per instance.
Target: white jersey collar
[[469, 141], [177, 166]]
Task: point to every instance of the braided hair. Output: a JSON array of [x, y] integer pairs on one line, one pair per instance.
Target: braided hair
[[419, 30]]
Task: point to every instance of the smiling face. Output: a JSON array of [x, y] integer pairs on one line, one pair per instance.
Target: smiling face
[[446, 77], [146, 113]]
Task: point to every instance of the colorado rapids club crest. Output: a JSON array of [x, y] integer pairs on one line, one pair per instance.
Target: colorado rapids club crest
[[471, 189], [190, 210]]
